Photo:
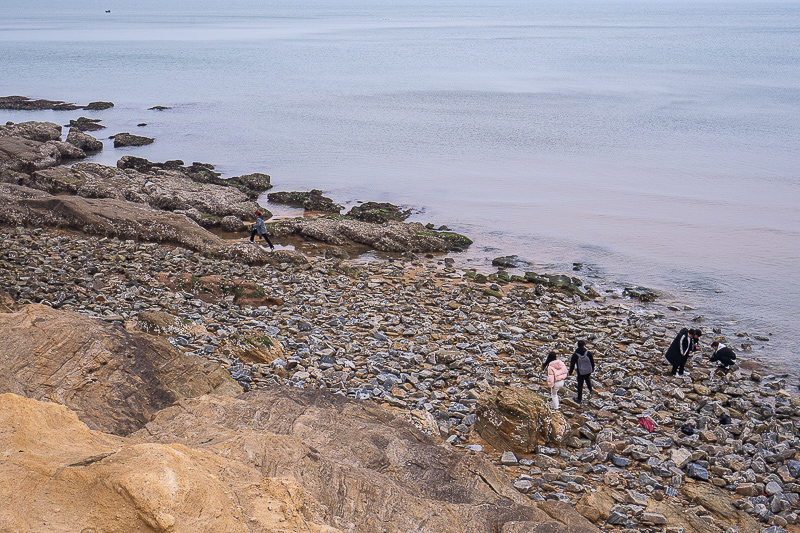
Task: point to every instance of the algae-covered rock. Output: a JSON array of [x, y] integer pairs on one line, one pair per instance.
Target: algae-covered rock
[[127, 139], [310, 201], [98, 106], [86, 124], [641, 293], [378, 212], [509, 261]]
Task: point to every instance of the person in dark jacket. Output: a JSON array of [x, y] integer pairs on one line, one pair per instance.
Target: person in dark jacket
[[680, 350], [260, 229], [585, 369], [722, 355]]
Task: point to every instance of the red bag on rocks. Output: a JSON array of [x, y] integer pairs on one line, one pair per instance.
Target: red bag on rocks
[[647, 424]]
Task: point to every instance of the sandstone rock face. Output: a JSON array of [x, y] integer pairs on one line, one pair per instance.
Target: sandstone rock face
[[368, 468], [58, 475], [518, 419], [84, 141], [111, 217], [114, 380], [719, 503]]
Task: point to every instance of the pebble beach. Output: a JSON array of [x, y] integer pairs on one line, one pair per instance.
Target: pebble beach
[[417, 334]]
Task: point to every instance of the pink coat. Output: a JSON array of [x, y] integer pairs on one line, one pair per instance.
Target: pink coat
[[556, 371]]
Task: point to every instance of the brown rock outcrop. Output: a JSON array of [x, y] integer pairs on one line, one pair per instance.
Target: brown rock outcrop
[[369, 468], [114, 380], [720, 504], [519, 419], [58, 475], [23, 155], [117, 218]]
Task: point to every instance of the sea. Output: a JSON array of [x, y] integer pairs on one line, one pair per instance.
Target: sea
[[652, 143]]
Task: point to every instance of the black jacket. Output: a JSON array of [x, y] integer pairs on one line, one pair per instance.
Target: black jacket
[[724, 355], [674, 352], [574, 361]]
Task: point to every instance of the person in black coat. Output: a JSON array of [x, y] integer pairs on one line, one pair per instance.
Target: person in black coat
[[722, 355], [583, 376], [678, 352]]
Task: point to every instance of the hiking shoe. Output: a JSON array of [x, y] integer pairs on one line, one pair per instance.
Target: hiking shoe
[[271, 248]]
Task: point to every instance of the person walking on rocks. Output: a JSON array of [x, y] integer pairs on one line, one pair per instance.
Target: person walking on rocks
[[722, 355], [261, 229], [556, 373], [678, 352], [583, 359]]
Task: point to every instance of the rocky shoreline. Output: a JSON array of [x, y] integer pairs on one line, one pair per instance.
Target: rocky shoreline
[[456, 353]]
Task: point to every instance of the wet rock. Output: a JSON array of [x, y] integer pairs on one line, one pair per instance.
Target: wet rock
[[85, 142], [86, 124], [126, 139], [98, 106], [310, 201], [23, 103], [390, 237], [641, 293], [378, 212], [510, 261]]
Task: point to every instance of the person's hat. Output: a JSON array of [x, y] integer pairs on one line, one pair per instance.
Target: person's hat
[[258, 213]]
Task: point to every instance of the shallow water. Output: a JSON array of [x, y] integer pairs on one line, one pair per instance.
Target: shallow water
[[657, 143]]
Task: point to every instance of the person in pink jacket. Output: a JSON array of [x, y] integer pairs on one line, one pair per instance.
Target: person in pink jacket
[[556, 373]]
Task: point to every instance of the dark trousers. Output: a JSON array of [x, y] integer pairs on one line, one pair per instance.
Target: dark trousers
[[679, 367], [581, 379], [253, 233]]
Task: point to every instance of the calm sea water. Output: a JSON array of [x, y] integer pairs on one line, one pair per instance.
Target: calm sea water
[[658, 143]]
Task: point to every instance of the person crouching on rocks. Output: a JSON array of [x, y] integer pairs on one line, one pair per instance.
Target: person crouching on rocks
[[261, 229], [724, 356], [556, 373], [583, 359]]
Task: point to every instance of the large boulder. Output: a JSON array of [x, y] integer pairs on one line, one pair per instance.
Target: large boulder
[[86, 124], [33, 131], [114, 380], [84, 141], [378, 212], [127, 139], [389, 237], [519, 419], [23, 155], [58, 475], [310, 201]]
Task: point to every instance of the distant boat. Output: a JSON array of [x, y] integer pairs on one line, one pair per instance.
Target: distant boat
[[108, 11]]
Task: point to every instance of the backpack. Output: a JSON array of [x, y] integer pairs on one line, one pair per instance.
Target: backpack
[[584, 363]]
